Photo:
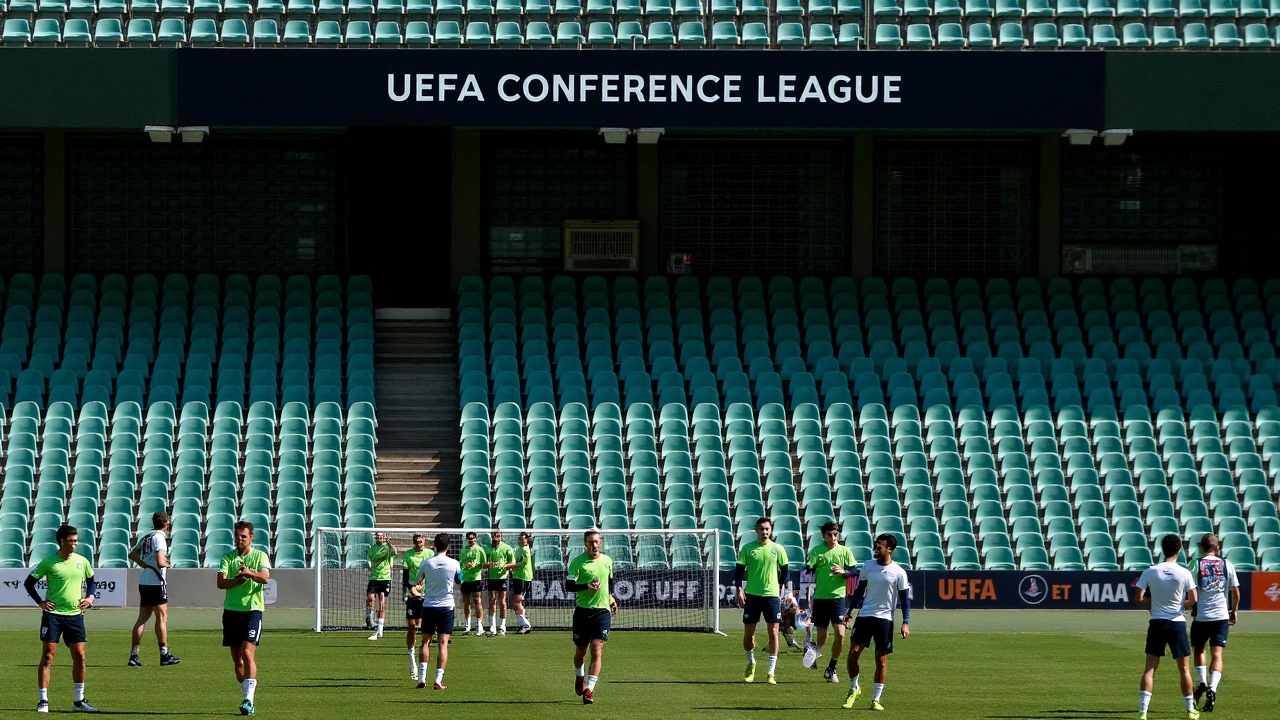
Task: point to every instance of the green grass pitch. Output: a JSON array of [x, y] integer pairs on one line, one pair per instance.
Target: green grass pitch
[[986, 665]]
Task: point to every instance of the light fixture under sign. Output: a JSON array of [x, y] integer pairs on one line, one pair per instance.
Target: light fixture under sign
[[193, 133], [615, 135], [649, 136], [159, 133]]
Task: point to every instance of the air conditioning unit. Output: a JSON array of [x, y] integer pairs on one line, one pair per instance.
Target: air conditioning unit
[[602, 245], [1138, 259]]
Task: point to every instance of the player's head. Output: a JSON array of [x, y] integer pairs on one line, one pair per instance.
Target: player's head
[[441, 542], [883, 548], [1209, 544], [497, 538], [764, 529], [831, 533], [1170, 545], [159, 521], [244, 536], [524, 539], [380, 537], [419, 541], [471, 539], [591, 539], [67, 537]]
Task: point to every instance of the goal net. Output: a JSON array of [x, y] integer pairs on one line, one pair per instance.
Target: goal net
[[663, 579]]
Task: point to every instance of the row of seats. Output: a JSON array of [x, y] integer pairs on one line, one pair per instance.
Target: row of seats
[[1075, 35], [968, 483], [569, 9], [852, 9], [632, 33]]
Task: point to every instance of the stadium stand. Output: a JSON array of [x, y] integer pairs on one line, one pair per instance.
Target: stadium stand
[[213, 401], [1071, 24], [997, 425]]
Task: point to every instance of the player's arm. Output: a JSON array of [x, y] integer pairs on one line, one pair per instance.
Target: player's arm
[[1141, 600], [784, 577], [904, 601], [613, 601], [162, 559], [1190, 600], [1233, 604], [258, 576], [89, 594], [740, 580], [30, 586], [226, 583]]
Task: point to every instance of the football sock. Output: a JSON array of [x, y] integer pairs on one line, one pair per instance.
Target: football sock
[[468, 624], [578, 671], [79, 689], [591, 682], [369, 614], [164, 650], [1189, 701], [422, 673], [751, 657], [504, 625], [524, 621], [1203, 672], [493, 622], [134, 652], [877, 688], [1214, 679], [773, 663], [413, 659], [1144, 700], [831, 665], [853, 683], [44, 694], [439, 675], [249, 686], [381, 623]]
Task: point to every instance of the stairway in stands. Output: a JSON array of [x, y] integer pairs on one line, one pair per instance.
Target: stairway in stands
[[419, 481]]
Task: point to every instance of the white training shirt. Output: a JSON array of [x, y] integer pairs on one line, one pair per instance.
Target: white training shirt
[[1215, 577], [149, 549], [438, 575], [883, 582], [1168, 584]]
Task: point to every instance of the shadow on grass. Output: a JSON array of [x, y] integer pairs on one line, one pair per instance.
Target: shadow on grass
[[1065, 715], [432, 699]]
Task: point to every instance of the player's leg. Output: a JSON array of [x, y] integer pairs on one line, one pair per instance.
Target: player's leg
[[579, 656], [774, 644], [1215, 670], [596, 649], [162, 635], [412, 616], [249, 653], [493, 612], [442, 660], [882, 674], [140, 628], [78, 673], [837, 646], [382, 610], [48, 651], [502, 611], [517, 604], [424, 655], [477, 598], [1180, 648], [1198, 641], [368, 607], [1147, 682], [855, 652]]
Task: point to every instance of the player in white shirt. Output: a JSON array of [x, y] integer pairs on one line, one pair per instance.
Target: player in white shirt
[[883, 586], [1214, 613], [152, 555], [437, 577], [1168, 590]]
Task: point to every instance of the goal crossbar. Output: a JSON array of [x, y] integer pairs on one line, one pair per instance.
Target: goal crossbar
[[668, 579]]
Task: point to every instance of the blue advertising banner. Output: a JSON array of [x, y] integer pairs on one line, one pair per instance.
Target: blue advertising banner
[[647, 88]]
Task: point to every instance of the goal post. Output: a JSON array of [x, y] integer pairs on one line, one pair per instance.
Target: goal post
[[663, 579]]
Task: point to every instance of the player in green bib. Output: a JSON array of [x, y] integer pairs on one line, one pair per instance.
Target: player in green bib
[[472, 559], [762, 564], [243, 573], [831, 563], [499, 559], [522, 581], [590, 575], [413, 605], [382, 555], [62, 616]]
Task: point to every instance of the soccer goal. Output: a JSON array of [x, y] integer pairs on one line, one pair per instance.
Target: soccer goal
[[663, 579]]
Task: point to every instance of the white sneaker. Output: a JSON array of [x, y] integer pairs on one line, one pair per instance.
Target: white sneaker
[[503, 631], [480, 632], [374, 636]]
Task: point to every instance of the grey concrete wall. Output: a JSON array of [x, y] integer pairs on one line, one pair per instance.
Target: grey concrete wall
[[199, 589]]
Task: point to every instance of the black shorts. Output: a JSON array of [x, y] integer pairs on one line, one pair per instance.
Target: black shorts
[[867, 629], [413, 608], [68, 628], [471, 587], [437, 620], [521, 587], [829, 611], [757, 605], [1168, 632], [241, 626], [152, 595], [496, 585], [591, 624], [1213, 632], [379, 587]]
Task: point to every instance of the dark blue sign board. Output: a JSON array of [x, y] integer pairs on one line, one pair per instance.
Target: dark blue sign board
[[646, 88]]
